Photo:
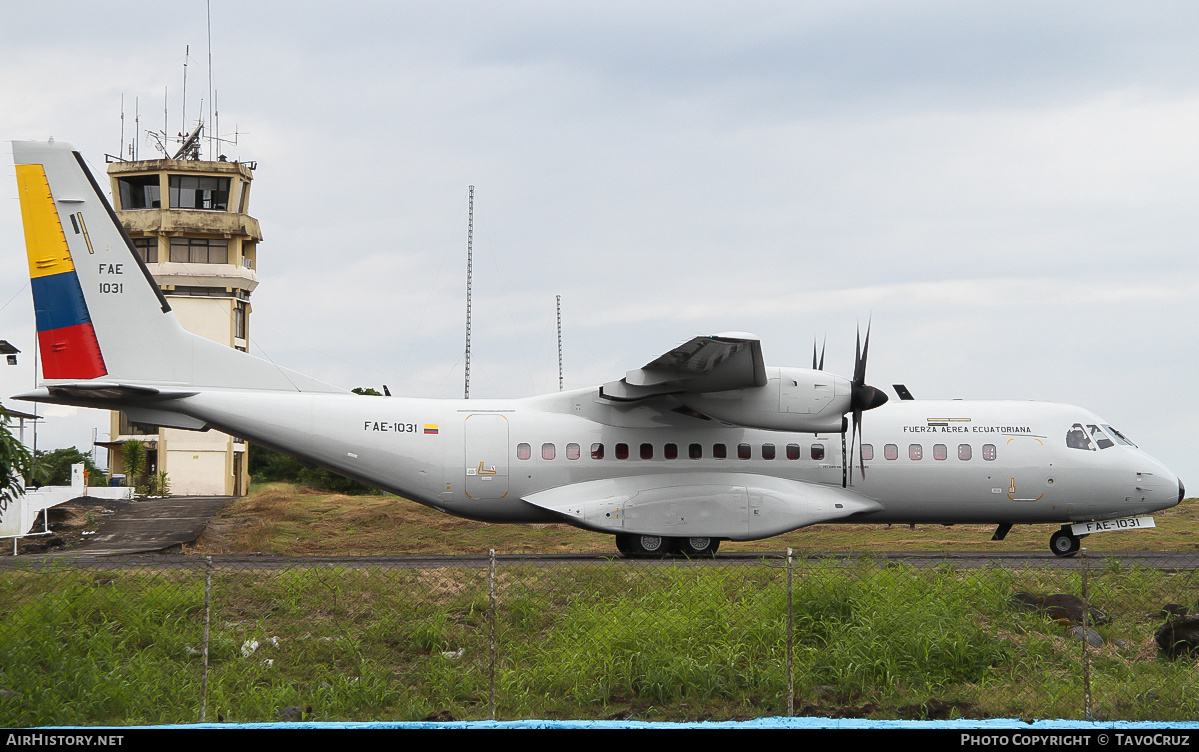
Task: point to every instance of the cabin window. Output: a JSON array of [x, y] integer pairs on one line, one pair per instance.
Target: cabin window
[[1120, 438], [547, 451], [647, 451], [523, 451], [964, 452], [818, 451], [720, 451], [1101, 439], [891, 451], [695, 451], [867, 452], [671, 451], [622, 451], [194, 192], [597, 451], [989, 452], [1076, 438], [915, 452], [768, 451], [940, 452], [793, 451], [573, 451], [743, 451]]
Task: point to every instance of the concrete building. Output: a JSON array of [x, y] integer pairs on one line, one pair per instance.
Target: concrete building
[[189, 222]]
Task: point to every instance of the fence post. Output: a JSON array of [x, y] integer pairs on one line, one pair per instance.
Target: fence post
[[1086, 654], [204, 649], [790, 641], [491, 618]]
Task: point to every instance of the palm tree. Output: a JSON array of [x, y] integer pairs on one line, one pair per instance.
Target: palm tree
[[133, 456], [15, 461]]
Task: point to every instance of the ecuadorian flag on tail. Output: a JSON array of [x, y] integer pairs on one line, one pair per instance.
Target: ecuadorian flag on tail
[[65, 335]]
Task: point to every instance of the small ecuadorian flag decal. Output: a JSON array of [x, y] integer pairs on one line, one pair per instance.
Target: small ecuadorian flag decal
[[430, 428]]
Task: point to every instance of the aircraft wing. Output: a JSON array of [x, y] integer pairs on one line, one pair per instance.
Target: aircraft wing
[[738, 506], [712, 363]]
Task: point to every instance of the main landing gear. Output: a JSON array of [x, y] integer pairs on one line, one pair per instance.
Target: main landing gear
[[1064, 542], [660, 546]]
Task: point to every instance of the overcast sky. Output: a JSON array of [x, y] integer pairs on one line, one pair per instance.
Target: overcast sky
[[1009, 189]]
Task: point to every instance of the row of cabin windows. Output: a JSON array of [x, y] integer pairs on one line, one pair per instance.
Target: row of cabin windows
[[940, 452], [549, 451], [669, 451]]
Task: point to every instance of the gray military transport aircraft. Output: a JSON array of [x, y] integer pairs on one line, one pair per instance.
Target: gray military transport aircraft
[[705, 443]]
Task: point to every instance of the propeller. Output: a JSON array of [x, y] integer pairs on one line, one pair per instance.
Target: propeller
[[816, 367], [862, 397]]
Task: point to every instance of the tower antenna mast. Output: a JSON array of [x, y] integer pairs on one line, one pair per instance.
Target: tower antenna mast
[[211, 106], [558, 306], [470, 237]]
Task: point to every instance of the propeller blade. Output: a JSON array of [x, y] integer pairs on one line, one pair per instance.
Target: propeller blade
[[865, 352], [857, 421], [859, 372], [862, 396], [846, 471], [857, 418]]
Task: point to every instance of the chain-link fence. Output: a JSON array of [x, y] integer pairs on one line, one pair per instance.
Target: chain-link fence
[[184, 639]]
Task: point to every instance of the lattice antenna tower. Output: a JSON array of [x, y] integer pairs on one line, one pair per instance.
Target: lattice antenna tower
[[558, 307], [470, 238]]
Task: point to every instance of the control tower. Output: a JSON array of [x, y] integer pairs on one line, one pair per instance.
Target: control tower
[[189, 222]]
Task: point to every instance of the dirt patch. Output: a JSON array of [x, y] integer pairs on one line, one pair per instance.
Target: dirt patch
[[70, 525]]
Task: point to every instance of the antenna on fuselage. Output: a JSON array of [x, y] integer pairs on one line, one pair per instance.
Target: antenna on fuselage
[[470, 237]]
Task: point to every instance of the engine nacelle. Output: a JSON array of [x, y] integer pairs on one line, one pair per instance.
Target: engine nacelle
[[793, 399]]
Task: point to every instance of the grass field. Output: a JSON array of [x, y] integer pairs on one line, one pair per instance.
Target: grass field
[[645, 640], [586, 640], [283, 519]]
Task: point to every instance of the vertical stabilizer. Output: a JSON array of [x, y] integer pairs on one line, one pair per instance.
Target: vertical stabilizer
[[100, 313]]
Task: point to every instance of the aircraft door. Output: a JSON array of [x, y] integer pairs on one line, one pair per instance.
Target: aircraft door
[[486, 456]]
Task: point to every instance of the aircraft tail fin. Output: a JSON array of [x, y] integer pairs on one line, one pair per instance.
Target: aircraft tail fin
[[99, 312]]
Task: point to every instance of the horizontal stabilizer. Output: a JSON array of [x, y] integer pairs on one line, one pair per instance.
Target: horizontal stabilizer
[[738, 506], [90, 393]]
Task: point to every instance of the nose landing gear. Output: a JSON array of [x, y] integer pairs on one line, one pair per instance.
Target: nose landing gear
[[1064, 542]]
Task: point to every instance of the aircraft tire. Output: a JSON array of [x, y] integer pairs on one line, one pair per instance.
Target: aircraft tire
[[1064, 543], [697, 547], [644, 546]]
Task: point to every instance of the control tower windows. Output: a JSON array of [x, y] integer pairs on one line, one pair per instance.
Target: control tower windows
[[140, 192], [188, 192], [199, 251], [147, 249]]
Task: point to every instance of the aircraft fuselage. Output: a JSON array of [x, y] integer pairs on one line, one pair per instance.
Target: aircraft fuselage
[[932, 461]]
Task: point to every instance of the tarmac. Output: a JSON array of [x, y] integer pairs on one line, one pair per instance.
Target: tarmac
[[148, 525]]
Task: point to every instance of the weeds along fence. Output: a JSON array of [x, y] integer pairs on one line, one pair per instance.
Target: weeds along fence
[[186, 639]]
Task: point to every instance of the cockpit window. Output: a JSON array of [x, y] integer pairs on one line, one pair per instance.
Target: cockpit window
[[1100, 438], [1076, 438], [1120, 438]]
